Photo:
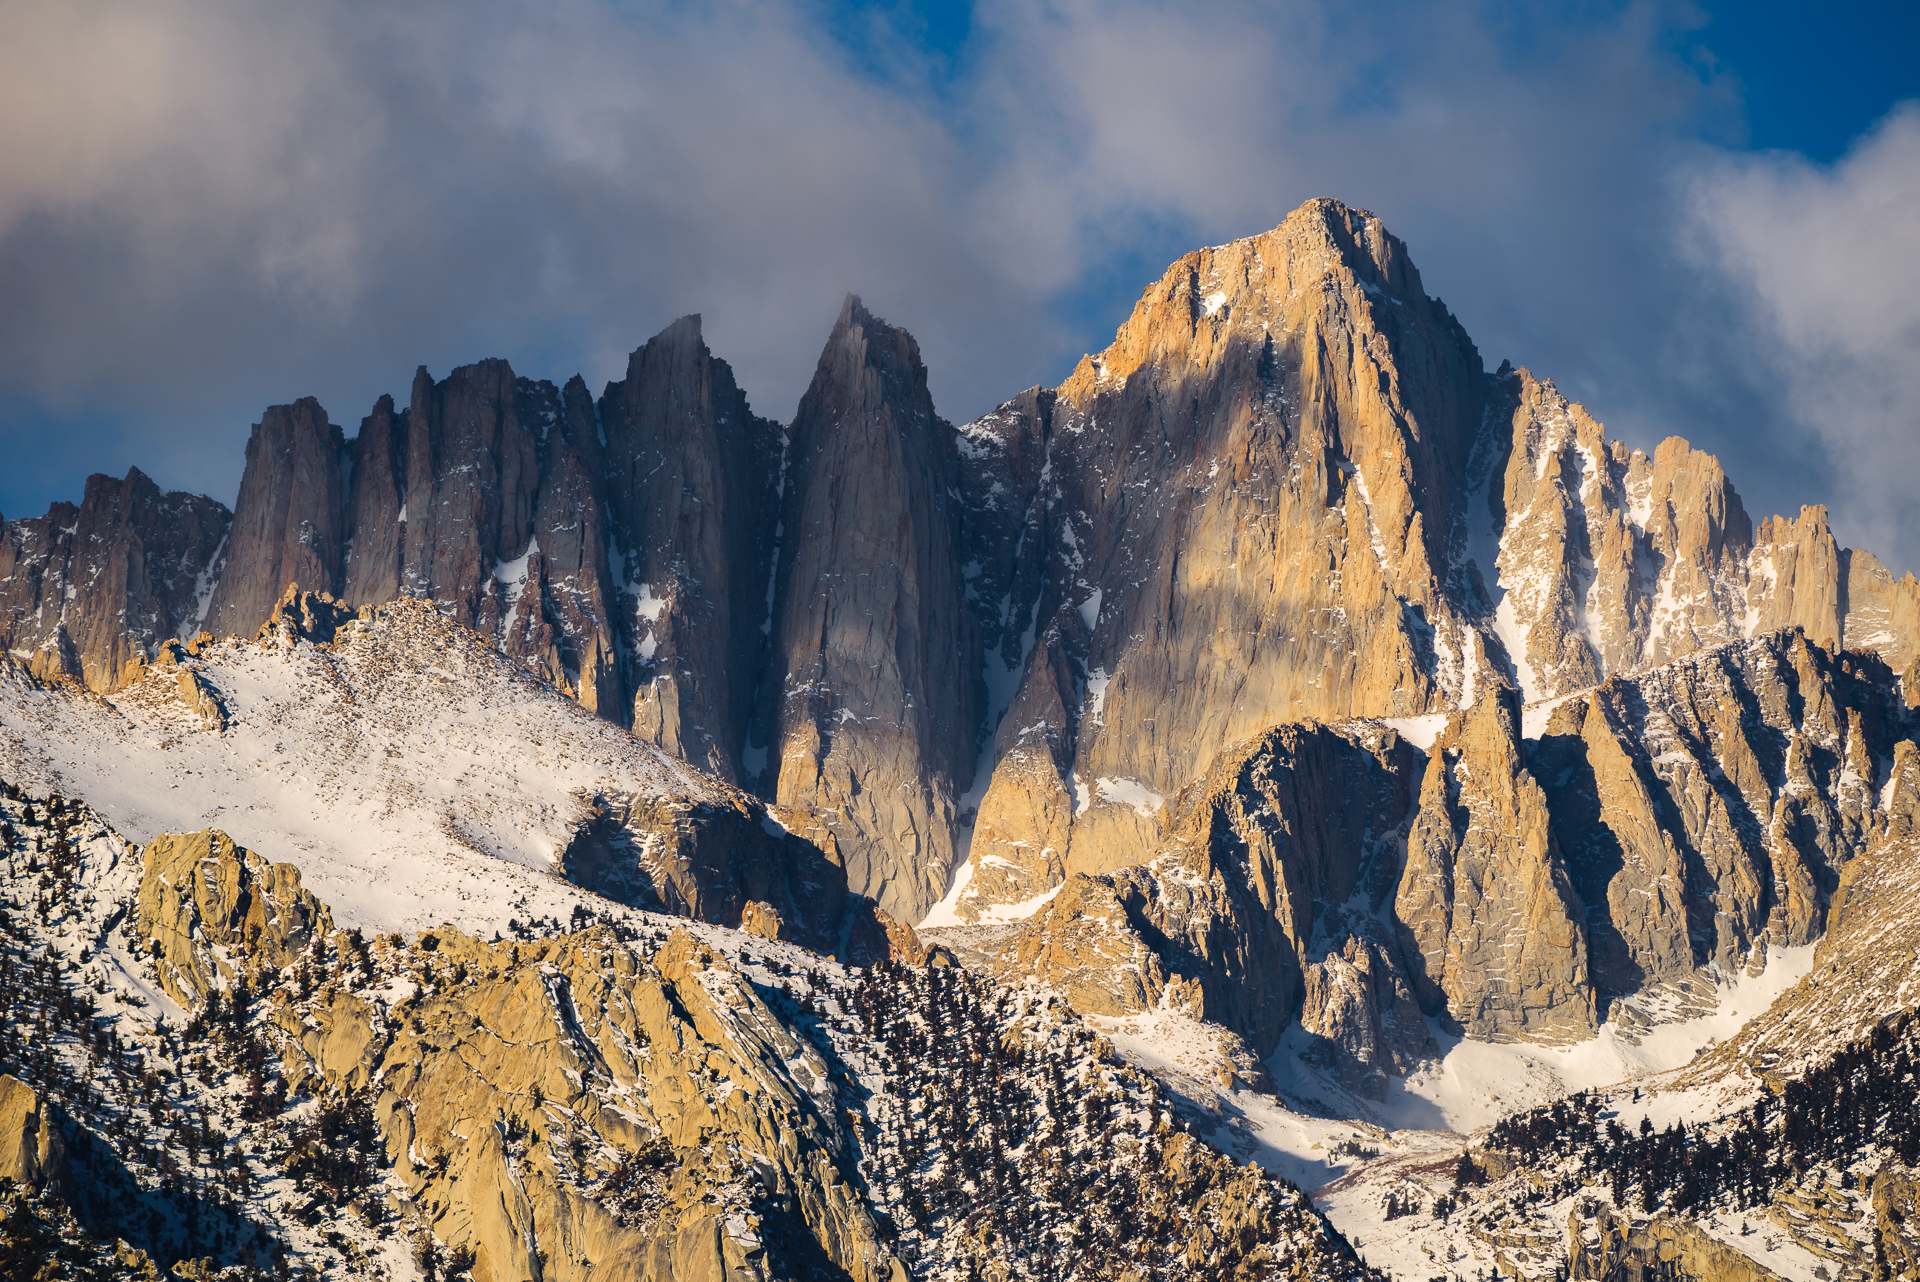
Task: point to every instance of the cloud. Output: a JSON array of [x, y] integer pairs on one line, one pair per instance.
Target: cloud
[[1827, 259], [208, 208]]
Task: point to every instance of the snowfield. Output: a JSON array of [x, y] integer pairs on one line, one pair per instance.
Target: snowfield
[[414, 774]]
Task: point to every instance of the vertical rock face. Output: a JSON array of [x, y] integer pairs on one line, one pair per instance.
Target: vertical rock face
[[622, 551], [473, 471], [1709, 807], [1246, 894], [1232, 517], [1489, 921], [377, 496], [289, 525], [89, 592], [693, 480], [569, 605], [872, 692], [1600, 561]]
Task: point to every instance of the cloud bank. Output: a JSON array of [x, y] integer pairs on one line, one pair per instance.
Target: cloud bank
[[207, 208]]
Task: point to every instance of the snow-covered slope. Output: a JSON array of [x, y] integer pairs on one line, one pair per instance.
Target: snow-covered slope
[[415, 774]]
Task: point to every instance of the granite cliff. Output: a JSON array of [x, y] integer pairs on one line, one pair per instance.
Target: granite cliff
[[1289, 490]]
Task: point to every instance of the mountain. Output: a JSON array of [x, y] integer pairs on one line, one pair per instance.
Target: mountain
[[1284, 754]]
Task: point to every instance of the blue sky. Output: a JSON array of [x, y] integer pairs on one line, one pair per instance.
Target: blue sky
[[1698, 219]]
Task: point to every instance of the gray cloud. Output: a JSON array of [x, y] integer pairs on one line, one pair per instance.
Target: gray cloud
[[1826, 261], [209, 208]]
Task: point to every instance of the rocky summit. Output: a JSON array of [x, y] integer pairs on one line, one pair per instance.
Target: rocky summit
[[1287, 802]]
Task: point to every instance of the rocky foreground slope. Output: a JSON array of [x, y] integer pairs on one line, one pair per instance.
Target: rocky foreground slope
[[209, 1068]]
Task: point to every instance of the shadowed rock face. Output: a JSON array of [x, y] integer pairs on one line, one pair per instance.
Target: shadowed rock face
[[289, 524], [692, 481], [90, 592], [1519, 889], [1490, 926], [872, 693], [1244, 897]]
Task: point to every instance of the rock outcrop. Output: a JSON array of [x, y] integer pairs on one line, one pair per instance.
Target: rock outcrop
[[1245, 895], [1621, 1249], [89, 592], [1490, 925], [693, 482], [1691, 818], [622, 550], [32, 1153], [731, 860], [1288, 490], [1601, 561], [873, 693], [289, 524], [202, 898]]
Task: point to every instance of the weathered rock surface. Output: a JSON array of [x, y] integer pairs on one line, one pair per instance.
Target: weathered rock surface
[[872, 695], [201, 897], [1437, 549], [1359, 1001], [1708, 808], [289, 524], [89, 592], [1620, 1249], [1896, 1214], [693, 481], [1287, 490], [1232, 516], [600, 1105], [1692, 817], [32, 1153], [1490, 925], [733, 861], [1227, 918], [622, 551], [1610, 563]]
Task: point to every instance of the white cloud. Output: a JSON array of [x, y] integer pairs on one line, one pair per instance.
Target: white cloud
[[206, 208], [1828, 260]]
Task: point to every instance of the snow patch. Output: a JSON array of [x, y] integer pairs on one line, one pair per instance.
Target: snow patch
[[1129, 792], [1419, 731], [1097, 693], [1090, 610]]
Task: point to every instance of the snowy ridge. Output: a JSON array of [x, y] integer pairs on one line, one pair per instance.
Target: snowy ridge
[[413, 772]]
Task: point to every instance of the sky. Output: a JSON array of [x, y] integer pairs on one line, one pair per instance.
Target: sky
[[1698, 219]]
